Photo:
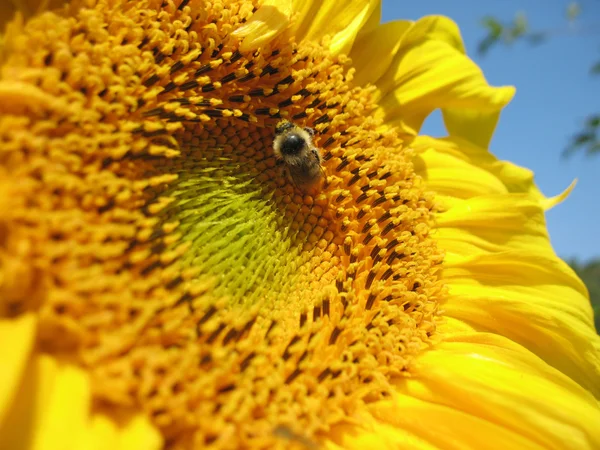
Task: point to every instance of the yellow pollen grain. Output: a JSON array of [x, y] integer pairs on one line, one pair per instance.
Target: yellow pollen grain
[[147, 217]]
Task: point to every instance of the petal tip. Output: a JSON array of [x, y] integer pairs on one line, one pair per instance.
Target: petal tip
[[551, 202]]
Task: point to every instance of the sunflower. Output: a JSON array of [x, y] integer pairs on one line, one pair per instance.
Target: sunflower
[[163, 284]]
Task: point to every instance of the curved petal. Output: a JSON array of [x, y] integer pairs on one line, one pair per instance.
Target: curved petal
[[430, 71], [453, 428], [503, 385], [372, 22], [135, 433], [341, 21], [492, 223], [43, 403], [139, 434], [16, 342], [500, 268], [102, 434], [271, 18], [455, 151], [533, 298], [551, 202], [447, 175], [476, 126], [373, 433], [52, 409], [373, 53], [436, 28]]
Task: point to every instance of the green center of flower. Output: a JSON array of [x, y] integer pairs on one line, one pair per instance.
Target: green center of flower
[[236, 232]]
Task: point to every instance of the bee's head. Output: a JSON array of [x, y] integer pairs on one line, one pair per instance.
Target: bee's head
[[292, 144], [291, 140]]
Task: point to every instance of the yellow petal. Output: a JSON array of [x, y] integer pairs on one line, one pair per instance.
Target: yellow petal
[[492, 223], [500, 267], [533, 298], [435, 28], [102, 434], [373, 52], [430, 71], [488, 377], [140, 434], [453, 428], [25, 421], [131, 432], [548, 203], [447, 175], [514, 178], [374, 434], [52, 410], [271, 18], [52, 403], [16, 342], [415, 417], [341, 21], [67, 409], [372, 22], [473, 125]]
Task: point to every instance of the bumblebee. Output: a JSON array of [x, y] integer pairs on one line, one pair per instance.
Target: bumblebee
[[293, 146]]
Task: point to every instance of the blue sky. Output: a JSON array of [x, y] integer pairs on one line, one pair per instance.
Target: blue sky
[[554, 95]]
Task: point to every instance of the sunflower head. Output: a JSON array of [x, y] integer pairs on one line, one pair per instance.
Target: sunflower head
[[156, 239], [177, 262]]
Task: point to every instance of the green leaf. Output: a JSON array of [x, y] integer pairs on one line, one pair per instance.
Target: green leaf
[[593, 121], [493, 26], [595, 70], [593, 149], [520, 26], [581, 139], [486, 43], [589, 272]]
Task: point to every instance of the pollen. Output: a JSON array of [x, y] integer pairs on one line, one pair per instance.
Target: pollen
[[146, 221]]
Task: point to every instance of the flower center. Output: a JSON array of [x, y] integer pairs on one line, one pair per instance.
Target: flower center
[[167, 249], [236, 230]]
